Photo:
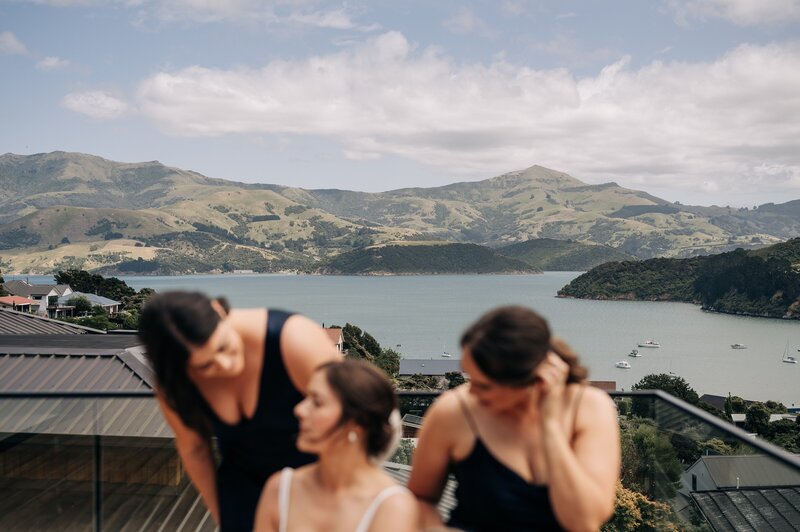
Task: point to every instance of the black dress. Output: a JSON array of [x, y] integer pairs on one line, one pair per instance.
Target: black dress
[[492, 497], [257, 447]]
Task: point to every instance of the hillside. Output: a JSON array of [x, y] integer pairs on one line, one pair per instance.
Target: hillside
[[65, 209], [423, 259], [764, 282], [563, 255]]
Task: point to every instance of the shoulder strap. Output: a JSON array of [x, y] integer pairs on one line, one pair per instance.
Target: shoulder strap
[[369, 515], [284, 488], [470, 420], [275, 322], [578, 397]]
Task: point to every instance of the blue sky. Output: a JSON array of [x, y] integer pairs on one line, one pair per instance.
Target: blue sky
[[692, 100]]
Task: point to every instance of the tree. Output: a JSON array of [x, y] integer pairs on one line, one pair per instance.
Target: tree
[[672, 384], [3, 291], [454, 379], [82, 305], [757, 419], [634, 511], [738, 406], [404, 452], [389, 361], [360, 344], [775, 407], [650, 464], [418, 382]]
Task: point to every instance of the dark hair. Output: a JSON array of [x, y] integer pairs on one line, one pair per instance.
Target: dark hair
[[508, 343], [367, 398], [170, 323]]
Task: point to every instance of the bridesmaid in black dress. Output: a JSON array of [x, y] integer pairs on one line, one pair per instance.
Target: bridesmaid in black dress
[[235, 375]]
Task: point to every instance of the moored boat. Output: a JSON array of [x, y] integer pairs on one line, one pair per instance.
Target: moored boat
[[623, 365], [649, 343]]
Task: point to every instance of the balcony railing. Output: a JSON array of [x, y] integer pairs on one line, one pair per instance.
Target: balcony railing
[[106, 461]]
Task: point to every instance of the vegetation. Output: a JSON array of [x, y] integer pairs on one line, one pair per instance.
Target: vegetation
[[415, 259], [563, 255], [763, 282]]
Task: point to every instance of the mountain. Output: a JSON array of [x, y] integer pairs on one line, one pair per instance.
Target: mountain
[[763, 282], [63, 209], [563, 255], [409, 259]]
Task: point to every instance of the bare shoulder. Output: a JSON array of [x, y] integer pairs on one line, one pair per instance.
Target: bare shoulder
[[305, 347], [267, 510], [398, 512], [446, 405], [596, 407]]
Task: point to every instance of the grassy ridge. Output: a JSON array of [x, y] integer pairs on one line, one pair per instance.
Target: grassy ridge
[[424, 259], [563, 255]]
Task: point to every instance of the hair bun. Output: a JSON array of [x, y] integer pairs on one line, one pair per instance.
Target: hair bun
[[394, 433]]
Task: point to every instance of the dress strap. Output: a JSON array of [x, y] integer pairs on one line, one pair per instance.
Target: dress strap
[[284, 489], [468, 415], [369, 515]]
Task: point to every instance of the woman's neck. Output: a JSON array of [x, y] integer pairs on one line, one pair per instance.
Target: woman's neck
[[342, 468]]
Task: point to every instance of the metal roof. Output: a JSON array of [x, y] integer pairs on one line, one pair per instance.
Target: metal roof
[[14, 322], [749, 471], [92, 298], [21, 288], [751, 509], [413, 366]]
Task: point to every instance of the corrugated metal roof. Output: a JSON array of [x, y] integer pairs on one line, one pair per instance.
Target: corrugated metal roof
[[751, 509], [92, 298], [13, 322], [413, 366], [749, 471]]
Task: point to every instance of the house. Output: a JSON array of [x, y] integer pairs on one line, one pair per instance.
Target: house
[[335, 334], [753, 491], [109, 305], [740, 419], [20, 303], [13, 322], [46, 295], [718, 401]]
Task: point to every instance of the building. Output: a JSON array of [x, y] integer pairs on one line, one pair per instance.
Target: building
[[109, 305], [20, 303], [13, 322], [335, 334], [41, 293]]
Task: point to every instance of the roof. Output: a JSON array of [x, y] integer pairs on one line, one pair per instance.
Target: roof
[[718, 401], [413, 366], [62, 289], [748, 471], [22, 323], [58, 364], [17, 300], [93, 298], [335, 334], [606, 386], [751, 509], [741, 418], [21, 288]]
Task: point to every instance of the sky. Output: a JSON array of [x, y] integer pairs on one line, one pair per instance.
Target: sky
[[696, 101]]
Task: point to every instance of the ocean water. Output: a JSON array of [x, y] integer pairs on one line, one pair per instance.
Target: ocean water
[[422, 316]]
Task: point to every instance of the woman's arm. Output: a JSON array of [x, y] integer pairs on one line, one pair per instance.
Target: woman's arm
[[582, 477], [196, 455], [432, 457], [267, 518], [305, 347]]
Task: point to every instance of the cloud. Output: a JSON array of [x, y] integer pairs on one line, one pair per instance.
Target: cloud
[[10, 45], [52, 63], [466, 21], [740, 12], [99, 105], [668, 124]]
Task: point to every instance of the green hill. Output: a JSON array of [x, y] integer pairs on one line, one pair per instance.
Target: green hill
[[423, 259], [763, 282], [563, 255]]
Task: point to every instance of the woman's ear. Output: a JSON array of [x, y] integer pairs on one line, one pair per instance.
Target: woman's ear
[[219, 308]]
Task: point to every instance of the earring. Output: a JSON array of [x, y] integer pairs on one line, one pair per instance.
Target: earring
[[352, 437]]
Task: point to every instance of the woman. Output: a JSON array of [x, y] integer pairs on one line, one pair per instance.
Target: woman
[[349, 420], [531, 446], [237, 375]]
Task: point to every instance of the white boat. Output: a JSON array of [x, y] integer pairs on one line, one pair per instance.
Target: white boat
[[623, 365], [649, 343], [787, 357], [446, 354], [634, 353], [738, 346]]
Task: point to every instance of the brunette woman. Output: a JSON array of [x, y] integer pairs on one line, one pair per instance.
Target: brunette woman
[[350, 421], [531, 445], [237, 375]]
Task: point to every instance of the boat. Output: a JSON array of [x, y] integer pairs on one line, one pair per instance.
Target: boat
[[634, 353], [649, 343], [623, 365], [787, 357], [446, 354], [738, 346]]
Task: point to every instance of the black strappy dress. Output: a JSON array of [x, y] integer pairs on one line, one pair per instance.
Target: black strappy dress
[[257, 447], [492, 497]]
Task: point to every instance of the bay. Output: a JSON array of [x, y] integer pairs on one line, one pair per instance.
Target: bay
[[422, 316]]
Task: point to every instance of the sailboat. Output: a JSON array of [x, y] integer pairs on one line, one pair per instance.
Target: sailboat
[[786, 357]]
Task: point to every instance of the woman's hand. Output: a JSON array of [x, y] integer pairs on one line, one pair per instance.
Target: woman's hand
[[552, 376]]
